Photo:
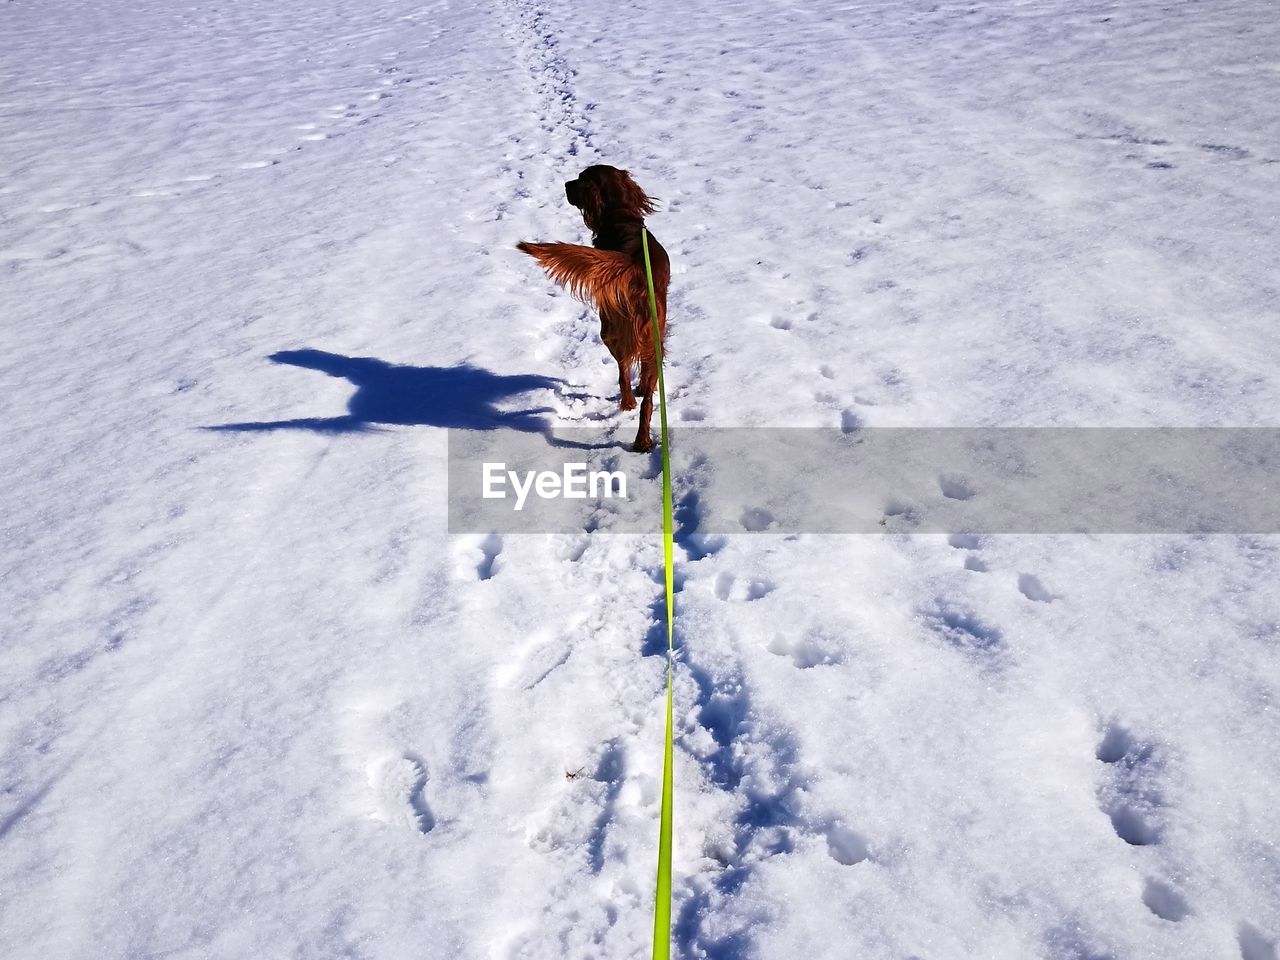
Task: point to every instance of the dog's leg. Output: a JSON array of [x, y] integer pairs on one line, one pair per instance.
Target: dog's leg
[[648, 381], [613, 330], [627, 398]]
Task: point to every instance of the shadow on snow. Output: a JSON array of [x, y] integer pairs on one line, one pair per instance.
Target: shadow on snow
[[463, 396]]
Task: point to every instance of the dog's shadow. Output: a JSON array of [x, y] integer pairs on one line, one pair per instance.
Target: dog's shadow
[[463, 396]]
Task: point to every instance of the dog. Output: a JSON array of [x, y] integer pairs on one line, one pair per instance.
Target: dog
[[610, 276]]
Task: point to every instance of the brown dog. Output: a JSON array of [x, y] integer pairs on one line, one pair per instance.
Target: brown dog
[[610, 276]]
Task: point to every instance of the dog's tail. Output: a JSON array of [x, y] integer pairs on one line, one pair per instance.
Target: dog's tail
[[606, 278]]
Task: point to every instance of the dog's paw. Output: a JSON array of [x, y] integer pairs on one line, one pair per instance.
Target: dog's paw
[[642, 445], [627, 403]]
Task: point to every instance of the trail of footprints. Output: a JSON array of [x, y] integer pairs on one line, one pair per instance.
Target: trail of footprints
[[563, 133], [1130, 792], [1133, 769], [755, 764], [1158, 153], [965, 629], [552, 79], [750, 760], [1130, 795], [364, 106], [337, 119], [749, 756], [1029, 585], [581, 823]]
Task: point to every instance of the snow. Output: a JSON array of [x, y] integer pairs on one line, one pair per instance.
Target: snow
[[257, 258]]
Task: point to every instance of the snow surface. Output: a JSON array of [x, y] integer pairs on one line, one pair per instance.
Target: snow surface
[[256, 703]]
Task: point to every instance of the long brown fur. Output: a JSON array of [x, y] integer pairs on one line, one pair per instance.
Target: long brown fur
[[610, 277]]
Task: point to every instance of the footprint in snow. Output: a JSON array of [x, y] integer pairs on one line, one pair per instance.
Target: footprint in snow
[[689, 516], [899, 514], [972, 545], [956, 487], [572, 550], [1254, 945], [729, 587], [813, 649], [1031, 588], [846, 846], [851, 421], [963, 629], [490, 549], [399, 787], [756, 519], [540, 658], [1130, 792], [1164, 901], [1225, 151]]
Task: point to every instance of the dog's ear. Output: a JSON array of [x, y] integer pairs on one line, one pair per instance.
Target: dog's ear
[[628, 195], [590, 200]]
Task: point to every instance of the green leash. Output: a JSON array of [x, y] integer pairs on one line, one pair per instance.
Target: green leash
[[662, 901]]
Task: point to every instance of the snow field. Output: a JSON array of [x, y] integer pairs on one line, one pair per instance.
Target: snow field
[[256, 702]]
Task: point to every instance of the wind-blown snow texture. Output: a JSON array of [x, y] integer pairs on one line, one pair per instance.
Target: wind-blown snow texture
[[255, 702]]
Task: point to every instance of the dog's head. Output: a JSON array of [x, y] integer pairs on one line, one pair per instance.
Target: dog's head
[[605, 193]]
